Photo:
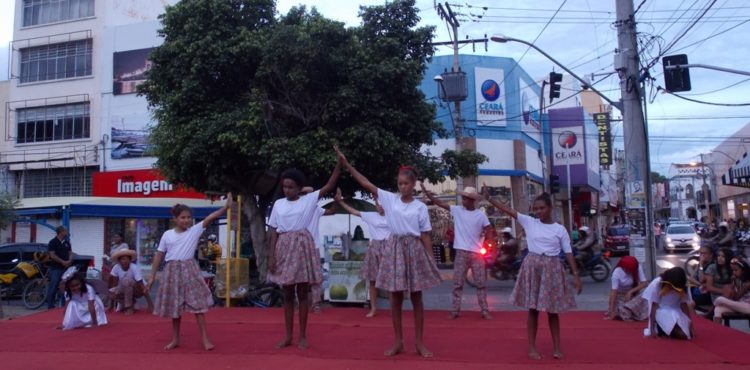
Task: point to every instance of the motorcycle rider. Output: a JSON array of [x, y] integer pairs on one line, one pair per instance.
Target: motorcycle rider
[[585, 245], [726, 236], [508, 251]]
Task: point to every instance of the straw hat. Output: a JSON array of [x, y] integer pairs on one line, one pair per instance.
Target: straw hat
[[123, 252], [470, 192]]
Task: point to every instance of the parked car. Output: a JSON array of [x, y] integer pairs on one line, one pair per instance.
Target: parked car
[[618, 239], [681, 236], [13, 253]]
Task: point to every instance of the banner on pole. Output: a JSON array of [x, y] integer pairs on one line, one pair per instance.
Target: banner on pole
[[605, 139]]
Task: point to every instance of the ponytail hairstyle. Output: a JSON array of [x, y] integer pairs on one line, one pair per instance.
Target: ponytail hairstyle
[[179, 208], [544, 197], [409, 171]]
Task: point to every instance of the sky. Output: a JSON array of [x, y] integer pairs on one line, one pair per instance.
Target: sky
[[581, 36]]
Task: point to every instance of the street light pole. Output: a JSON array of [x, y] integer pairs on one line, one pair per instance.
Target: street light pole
[[706, 203]]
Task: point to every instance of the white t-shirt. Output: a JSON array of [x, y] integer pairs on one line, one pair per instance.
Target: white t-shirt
[[314, 227], [295, 215], [181, 246], [133, 272], [468, 227], [404, 218], [376, 224], [622, 279], [547, 239]]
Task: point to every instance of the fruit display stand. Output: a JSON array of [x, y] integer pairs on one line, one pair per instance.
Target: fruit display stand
[[343, 262]]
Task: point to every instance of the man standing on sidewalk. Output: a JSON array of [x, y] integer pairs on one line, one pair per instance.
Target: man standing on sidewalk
[[469, 225], [61, 257]]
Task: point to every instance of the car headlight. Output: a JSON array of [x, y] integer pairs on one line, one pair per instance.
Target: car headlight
[[669, 240], [696, 238]]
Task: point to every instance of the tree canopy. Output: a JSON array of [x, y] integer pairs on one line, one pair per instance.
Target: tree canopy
[[237, 89]]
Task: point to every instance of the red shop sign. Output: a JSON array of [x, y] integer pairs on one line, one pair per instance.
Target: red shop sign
[[139, 184]]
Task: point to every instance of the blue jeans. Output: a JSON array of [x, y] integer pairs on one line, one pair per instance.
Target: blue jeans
[[55, 275]]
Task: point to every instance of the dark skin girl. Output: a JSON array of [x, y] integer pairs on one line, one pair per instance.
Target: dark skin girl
[[292, 192], [406, 185], [544, 212]]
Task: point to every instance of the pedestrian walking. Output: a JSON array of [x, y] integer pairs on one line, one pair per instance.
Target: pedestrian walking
[[406, 262], [61, 257], [377, 226], [182, 288], [294, 261], [471, 227], [542, 284]]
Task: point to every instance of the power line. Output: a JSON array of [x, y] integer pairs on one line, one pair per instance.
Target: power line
[[704, 102]]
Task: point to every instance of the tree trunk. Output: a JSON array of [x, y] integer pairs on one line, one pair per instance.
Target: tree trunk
[[258, 234]]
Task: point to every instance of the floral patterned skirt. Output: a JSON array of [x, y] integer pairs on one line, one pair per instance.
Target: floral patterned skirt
[[371, 263], [406, 266], [182, 289], [542, 285], [636, 309], [297, 260]]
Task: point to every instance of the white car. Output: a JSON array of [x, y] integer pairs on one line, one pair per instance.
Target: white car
[[681, 237]]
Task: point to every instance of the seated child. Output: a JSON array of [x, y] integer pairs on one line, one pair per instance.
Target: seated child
[[668, 299], [84, 308], [126, 281], [739, 298]]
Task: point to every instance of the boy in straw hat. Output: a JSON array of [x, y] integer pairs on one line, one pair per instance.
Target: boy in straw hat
[[126, 281], [470, 224]]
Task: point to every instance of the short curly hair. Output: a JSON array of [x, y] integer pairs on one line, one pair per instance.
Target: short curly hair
[[295, 175]]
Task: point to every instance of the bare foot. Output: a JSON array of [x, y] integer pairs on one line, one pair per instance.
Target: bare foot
[[316, 310], [284, 343], [59, 327], [486, 315], [423, 351], [534, 354], [558, 355], [397, 348], [172, 345], [129, 312], [207, 345], [302, 343], [370, 314], [453, 315]]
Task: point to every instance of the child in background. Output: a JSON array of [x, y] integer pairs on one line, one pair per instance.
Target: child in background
[[377, 225], [314, 227], [668, 298], [126, 282], [739, 298], [84, 308], [182, 288]]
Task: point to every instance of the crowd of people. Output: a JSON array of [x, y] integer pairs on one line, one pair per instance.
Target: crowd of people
[[400, 261]]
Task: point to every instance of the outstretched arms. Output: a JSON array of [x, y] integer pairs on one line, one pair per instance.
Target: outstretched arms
[[328, 187], [502, 207], [348, 208], [219, 212], [361, 179], [434, 199]]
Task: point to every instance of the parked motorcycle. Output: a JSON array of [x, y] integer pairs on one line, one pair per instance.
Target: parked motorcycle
[[27, 280]]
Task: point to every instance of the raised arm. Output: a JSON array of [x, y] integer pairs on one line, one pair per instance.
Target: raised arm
[[434, 199], [502, 207], [219, 212], [328, 187], [342, 204], [361, 179]]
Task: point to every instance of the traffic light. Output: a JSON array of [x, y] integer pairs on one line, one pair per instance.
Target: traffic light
[[554, 85], [554, 184], [677, 79]]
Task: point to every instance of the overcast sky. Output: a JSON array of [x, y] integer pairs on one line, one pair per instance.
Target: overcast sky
[[581, 36]]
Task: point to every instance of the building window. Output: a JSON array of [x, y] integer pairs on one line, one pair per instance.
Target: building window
[[56, 61], [37, 12], [58, 182], [52, 123]]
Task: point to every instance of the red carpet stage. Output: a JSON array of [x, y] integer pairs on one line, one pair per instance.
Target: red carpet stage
[[342, 338]]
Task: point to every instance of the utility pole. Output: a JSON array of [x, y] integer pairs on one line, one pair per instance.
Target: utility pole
[[635, 131], [709, 217]]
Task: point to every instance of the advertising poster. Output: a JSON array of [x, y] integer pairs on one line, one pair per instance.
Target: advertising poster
[[490, 97], [129, 69], [605, 139], [567, 146], [532, 124], [344, 284]]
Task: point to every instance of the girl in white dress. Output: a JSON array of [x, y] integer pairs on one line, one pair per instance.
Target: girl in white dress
[[668, 299], [84, 308]]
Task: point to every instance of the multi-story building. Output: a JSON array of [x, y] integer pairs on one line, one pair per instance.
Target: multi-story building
[[685, 190], [76, 146]]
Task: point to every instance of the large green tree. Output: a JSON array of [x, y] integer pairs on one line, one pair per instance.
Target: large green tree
[[240, 93]]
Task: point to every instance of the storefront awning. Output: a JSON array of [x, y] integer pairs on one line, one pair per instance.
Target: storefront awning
[[739, 174], [115, 207]]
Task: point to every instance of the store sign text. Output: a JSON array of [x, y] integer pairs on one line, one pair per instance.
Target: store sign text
[[142, 187]]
